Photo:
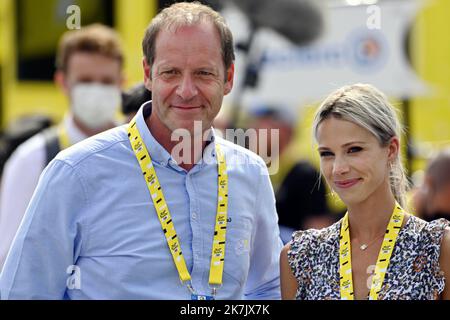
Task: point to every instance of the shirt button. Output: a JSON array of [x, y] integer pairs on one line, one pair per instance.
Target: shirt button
[[194, 215]]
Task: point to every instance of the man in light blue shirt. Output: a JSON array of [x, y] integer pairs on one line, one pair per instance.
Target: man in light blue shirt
[[91, 230]]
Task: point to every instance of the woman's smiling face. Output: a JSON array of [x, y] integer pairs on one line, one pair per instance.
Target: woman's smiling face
[[352, 160]]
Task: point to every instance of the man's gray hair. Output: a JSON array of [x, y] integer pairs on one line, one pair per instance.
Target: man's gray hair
[[187, 14]]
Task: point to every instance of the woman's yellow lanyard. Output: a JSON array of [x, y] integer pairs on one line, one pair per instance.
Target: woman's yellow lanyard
[[162, 210], [387, 247]]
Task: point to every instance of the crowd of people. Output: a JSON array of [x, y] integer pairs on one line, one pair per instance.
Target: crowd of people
[[161, 206]]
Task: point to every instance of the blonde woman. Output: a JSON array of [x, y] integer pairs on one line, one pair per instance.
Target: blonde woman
[[377, 251]]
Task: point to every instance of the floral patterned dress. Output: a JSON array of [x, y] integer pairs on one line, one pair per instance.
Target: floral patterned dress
[[413, 272]]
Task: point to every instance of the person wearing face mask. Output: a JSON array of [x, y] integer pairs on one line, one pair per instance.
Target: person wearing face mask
[[89, 72], [432, 199]]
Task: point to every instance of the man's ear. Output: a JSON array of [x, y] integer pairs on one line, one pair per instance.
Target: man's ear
[[229, 80], [147, 74], [61, 81]]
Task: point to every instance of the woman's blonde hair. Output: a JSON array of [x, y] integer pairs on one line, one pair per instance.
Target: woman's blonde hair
[[366, 106]]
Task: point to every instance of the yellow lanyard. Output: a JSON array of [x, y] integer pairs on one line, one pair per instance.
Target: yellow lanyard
[[63, 137], [162, 210], [387, 247]]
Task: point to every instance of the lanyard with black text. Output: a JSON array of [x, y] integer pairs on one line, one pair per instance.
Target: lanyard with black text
[[162, 210], [387, 247]]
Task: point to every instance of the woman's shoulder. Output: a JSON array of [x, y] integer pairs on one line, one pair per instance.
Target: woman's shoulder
[[426, 234], [313, 238], [308, 247], [426, 229]]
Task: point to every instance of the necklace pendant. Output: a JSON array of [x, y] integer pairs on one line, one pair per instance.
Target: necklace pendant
[[363, 246]]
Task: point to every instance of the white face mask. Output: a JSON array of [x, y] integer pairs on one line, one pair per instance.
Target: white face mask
[[94, 104]]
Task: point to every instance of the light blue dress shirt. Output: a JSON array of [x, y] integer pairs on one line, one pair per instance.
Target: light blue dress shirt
[[91, 215]]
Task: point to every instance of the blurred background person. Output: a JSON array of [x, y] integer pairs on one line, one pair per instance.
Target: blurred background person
[[431, 200], [19, 131], [89, 72], [299, 189]]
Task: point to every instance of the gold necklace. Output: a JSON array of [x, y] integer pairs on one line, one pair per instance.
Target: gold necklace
[[364, 246]]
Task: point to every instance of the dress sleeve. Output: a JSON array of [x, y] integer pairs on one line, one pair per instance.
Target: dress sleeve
[[298, 257], [432, 236]]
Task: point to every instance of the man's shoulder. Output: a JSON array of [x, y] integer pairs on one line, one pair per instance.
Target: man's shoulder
[[95, 145]]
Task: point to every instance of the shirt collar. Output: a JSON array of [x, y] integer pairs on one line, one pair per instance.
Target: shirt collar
[[74, 134], [155, 149]]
